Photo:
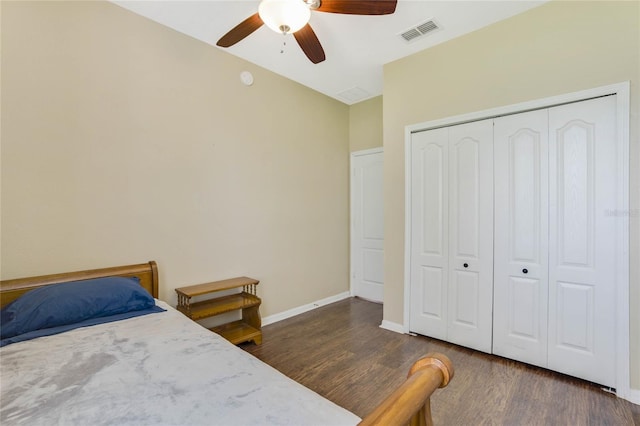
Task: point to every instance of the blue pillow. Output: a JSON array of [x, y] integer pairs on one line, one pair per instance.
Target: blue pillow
[[72, 302]]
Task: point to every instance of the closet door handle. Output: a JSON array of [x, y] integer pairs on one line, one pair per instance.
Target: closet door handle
[[525, 271], [466, 265]]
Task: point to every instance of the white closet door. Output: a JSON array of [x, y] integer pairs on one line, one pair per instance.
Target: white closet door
[[583, 150], [521, 237], [429, 236], [471, 235]]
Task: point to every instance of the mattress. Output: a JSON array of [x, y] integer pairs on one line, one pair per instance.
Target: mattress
[[157, 369]]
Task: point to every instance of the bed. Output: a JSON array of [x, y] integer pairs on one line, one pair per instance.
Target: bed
[[134, 359]]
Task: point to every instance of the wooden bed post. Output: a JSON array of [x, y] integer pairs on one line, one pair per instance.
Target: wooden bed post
[[410, 403]]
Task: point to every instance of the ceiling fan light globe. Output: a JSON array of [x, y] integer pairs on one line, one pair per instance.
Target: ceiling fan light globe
[[284, 16]]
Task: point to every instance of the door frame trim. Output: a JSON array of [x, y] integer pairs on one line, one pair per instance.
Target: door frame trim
[[622, 90], [352, 223]]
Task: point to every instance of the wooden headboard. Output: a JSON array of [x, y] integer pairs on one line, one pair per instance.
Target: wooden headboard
[[147, 273]]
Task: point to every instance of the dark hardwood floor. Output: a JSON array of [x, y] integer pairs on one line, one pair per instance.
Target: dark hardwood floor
[[340, 352]]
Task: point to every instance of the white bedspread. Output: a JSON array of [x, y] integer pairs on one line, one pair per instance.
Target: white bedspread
[[158, 369]]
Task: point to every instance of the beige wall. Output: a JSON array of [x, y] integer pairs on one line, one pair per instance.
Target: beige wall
[[557, 48], [365, 125], [124, 141]]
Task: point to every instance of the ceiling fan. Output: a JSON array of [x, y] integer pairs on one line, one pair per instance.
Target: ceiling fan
[[292, 16]]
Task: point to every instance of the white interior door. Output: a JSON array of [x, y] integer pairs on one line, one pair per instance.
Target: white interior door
[[521, 237], [470, 280], [429, 236], [583, 189], [367, 254]]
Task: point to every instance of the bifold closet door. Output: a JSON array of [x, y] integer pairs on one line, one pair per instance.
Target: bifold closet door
[[521, 237], [583, 189], [452, 234], [540, 287], [429, 232], [471, 234], [555, 244]]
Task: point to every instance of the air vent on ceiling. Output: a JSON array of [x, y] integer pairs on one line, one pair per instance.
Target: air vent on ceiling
[[419, 30]]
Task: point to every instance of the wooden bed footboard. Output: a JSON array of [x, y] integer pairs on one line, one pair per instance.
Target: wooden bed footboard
[[410, 404]]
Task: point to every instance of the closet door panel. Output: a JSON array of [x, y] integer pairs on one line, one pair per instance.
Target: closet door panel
[[467, 288], [471, 234], [582, 257], [521, 237], [429, 241]]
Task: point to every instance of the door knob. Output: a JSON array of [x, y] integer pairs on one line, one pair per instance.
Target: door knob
[[525, 271], [466, 265]]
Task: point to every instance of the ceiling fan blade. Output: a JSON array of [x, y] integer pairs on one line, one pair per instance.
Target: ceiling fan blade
[[359, 7], [240, 31], [310, 44]]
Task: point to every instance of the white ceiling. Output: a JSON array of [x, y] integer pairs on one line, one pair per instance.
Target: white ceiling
[[356, 46]]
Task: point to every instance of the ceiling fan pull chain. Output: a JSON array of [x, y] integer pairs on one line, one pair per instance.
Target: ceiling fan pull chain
[[284, 43]]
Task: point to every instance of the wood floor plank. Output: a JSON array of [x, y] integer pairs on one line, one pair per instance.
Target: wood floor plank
[[340, 352]]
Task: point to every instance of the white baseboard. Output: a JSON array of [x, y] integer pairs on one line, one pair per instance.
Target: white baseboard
[[304, 308], [392, 326]]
